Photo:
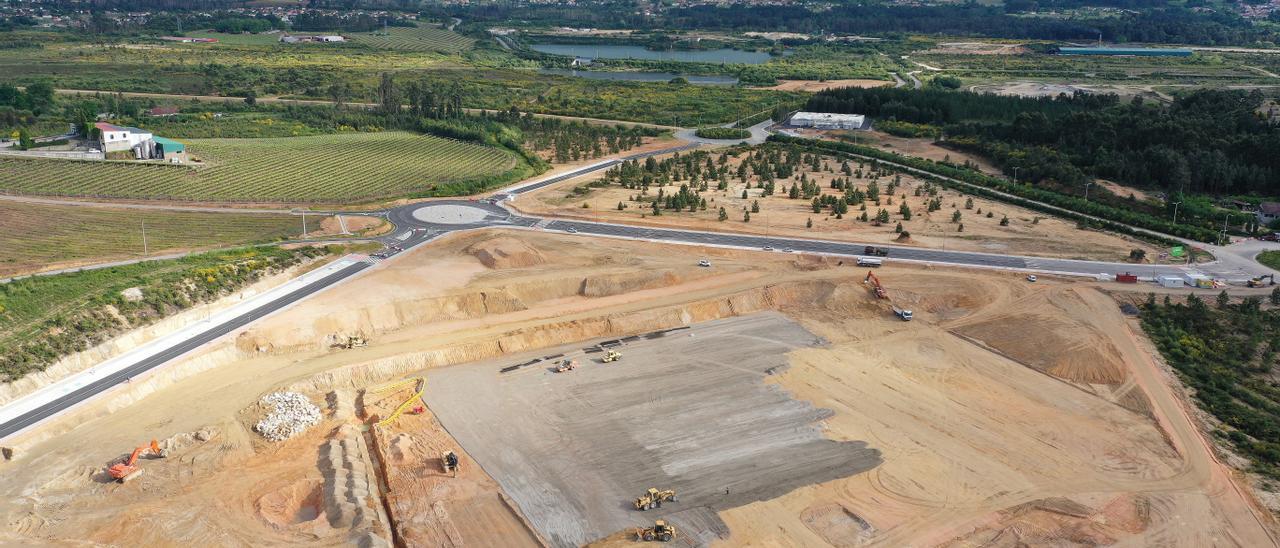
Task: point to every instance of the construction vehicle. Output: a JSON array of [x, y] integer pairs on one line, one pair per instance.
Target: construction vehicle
[[1257, 282], [566, 366], [612, 356], [875, 251], [352, 341], [449, 462], [875, 285], [129, 469], [902, 313], [660, 531], [653, 498]]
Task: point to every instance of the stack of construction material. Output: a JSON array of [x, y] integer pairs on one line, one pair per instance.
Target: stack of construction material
[[292, 415]]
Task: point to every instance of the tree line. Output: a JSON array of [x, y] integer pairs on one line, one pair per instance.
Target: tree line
[[1226, 353]]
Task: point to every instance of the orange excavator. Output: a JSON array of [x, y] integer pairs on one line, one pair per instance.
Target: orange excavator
[[875, 284], [129, 468]]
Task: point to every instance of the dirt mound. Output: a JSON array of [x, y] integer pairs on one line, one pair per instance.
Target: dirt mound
[[505, 252], [837, 525], [297, 503], [604, 285], [904, 238], [1050, 332]]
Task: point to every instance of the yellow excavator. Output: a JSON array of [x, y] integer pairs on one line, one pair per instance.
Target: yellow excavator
[[612, 356], [653, 498], [1257, 282], [660, 531]]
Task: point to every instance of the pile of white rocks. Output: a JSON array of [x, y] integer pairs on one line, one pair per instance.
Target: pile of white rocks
[[293, 415]]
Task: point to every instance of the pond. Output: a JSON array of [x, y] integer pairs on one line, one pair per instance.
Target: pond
[[643, 76], [592, 51]]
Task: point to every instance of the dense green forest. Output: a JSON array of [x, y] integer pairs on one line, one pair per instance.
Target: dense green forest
[[1148, 20], [1206, 141], [1227, 353]]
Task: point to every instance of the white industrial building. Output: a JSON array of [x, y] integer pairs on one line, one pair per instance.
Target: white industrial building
[[117, 138], [826, 120]]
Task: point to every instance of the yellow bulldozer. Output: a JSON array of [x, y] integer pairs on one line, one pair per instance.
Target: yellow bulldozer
[[612, 356], [653, 498], [660, 531]]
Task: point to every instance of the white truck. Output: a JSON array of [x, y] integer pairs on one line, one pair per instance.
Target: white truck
[[902, 313], [870, 262]]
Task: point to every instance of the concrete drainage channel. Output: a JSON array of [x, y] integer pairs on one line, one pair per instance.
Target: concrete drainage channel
[[685, 409]]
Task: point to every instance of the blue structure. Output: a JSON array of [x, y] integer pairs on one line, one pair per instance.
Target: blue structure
[[1140, 52]]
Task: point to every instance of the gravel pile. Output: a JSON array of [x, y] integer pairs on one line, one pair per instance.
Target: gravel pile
[[293, 414]]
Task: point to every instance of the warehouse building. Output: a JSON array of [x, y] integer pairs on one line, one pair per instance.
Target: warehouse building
[[121, 138], [826, 120]]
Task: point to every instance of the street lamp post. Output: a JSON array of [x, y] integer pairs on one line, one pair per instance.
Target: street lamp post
[[1015, 174], [1086, 190], [1175, 212]]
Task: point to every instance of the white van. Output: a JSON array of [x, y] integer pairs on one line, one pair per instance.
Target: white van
[[868, 261]]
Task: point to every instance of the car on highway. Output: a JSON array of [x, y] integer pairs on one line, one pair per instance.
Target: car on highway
[[571, 230], [704, 263], [788, 250], [767, 248]]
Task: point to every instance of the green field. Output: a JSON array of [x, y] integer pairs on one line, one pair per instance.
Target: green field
[[34, 237], [313, 169], [423, 38]]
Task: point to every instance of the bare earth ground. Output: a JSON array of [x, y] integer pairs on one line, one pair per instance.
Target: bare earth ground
[[780, 215], [988, 434], [815, 86], [978, 48], [1125, 191]]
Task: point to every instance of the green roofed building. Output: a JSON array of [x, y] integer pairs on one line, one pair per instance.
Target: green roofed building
[[170, 150]]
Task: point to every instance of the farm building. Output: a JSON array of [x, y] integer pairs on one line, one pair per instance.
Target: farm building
[[140, 142], [296, 38], [826, 120], [1139, 52], [169, 150], [163, 111], [119, 138], [1267, 212]]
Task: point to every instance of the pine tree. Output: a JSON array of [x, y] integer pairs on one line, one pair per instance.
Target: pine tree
[[746, 216], [656, 211], [809, 224], [621, 206], [724, 215], [755, 206], [955, 217], [744, 194], [968, 204]]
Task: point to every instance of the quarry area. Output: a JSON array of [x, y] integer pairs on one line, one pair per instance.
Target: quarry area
[[523, 388]]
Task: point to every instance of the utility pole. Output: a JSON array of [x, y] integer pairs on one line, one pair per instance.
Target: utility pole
[[1175, 211], [144, 238]]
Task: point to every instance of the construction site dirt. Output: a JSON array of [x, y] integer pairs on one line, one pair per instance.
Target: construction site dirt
[[689, 411], [1006, 413]]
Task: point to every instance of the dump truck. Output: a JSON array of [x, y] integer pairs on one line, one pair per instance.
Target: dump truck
[[653, 498], [660, 531], [875, 251]]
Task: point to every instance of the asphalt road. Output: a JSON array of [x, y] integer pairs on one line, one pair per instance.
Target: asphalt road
[[181, 348]]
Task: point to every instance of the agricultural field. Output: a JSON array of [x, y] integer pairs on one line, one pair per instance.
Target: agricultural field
[[422, 38], [35, 237], [1199, 69], [313, 169]]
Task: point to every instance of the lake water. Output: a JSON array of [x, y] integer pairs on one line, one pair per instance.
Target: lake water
[[643, 76], [592, 51]]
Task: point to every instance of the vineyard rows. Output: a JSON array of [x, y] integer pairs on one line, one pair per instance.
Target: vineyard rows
[[321, 168], [33, 236], [424, 38]]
